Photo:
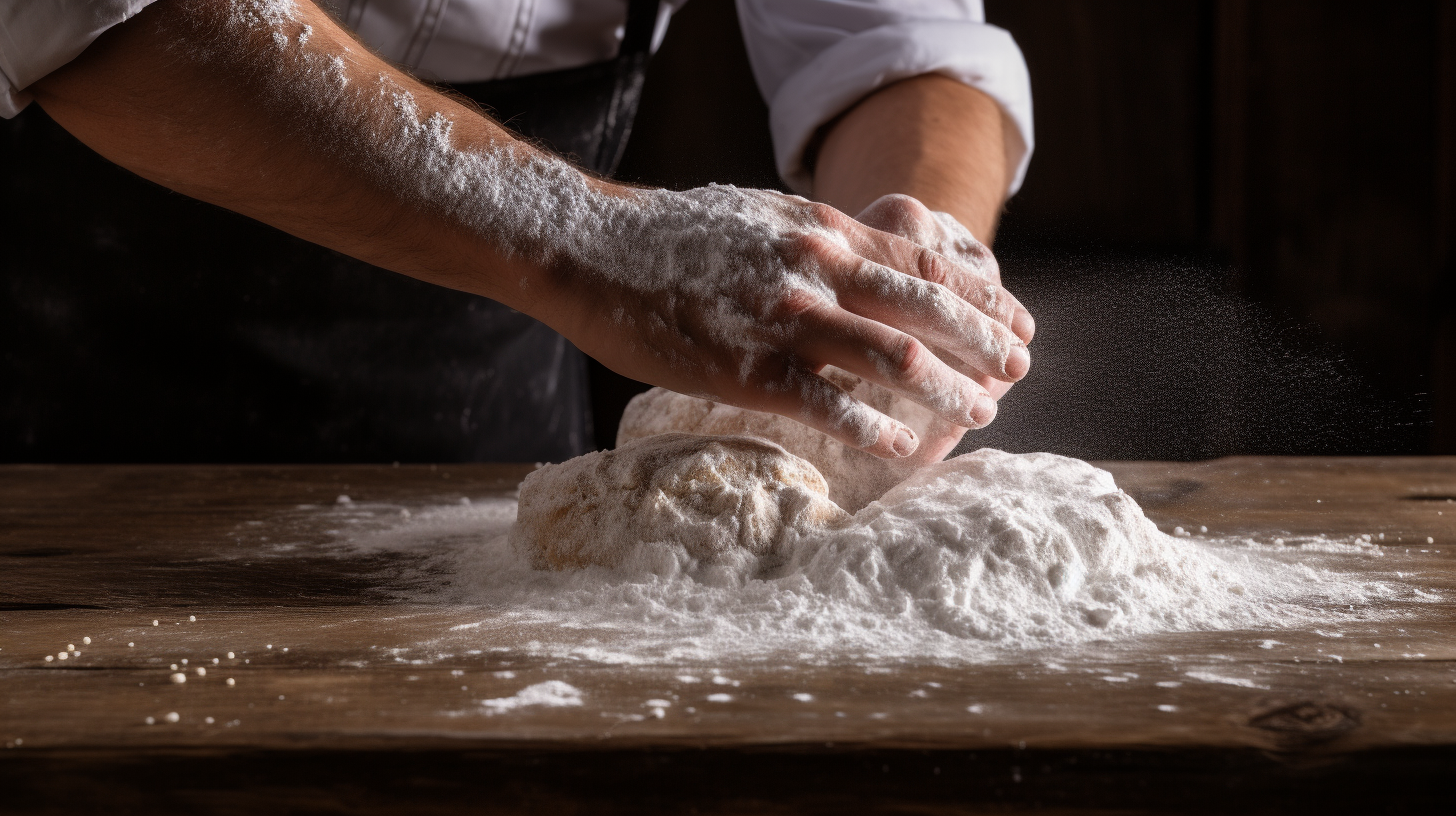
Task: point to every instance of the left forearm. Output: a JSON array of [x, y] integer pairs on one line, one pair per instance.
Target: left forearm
[[930, 137]]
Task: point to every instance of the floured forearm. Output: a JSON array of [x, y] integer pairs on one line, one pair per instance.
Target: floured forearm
[[929, 137], [268, 108]]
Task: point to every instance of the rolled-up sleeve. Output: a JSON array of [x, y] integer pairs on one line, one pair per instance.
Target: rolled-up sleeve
[[814, 59], [39, 36]]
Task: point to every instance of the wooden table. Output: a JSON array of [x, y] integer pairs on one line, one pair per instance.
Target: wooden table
[[335, 724]]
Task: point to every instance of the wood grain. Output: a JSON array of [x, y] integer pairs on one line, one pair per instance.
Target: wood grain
[[350, 709]]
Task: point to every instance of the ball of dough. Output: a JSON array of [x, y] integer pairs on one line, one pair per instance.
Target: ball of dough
[[712, 496], [855, 478]]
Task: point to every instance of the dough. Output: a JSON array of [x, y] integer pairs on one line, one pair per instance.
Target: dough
[[716, 497], [855, 478]]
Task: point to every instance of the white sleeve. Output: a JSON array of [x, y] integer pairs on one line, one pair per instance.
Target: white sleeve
[[39, 36], [814, 59]]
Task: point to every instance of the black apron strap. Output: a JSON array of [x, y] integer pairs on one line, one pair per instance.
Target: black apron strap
[[586, 113], [631, 67], [641, 23]]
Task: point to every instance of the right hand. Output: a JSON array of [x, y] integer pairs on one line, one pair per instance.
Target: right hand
[[742, 296], [940, 232]]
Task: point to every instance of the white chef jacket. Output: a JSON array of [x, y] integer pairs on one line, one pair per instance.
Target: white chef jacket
[[812, 59]]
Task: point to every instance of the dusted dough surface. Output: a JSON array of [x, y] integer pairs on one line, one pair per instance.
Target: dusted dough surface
[[690, 547], [855, 478], [719, 498]]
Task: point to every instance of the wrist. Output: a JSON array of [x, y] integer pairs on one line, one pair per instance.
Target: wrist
[[537, 234]]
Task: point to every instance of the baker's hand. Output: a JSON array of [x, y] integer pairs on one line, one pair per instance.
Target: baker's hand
[[940, 232], [742, 296]]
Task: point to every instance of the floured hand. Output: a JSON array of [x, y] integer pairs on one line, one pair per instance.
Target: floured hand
[[743, 296], [940, 232]]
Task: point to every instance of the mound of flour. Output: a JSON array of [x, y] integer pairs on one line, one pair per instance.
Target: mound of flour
[[974, 556], [1007, 547]]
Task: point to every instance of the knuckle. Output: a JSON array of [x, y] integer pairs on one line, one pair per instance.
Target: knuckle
[[896, 204], [871, 275], [910, 207], [1006, 308], [795, 303], [807, 247], [906, 358], [904, 216], [817, 243], [932, 267], [828, 215], [984, 263], [881, 215], [917, 222], [893, 204], [997, 304], [955, 230], [948, 307], [990, 299]]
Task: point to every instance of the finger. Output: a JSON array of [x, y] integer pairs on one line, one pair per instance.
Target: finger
[[884, 294], [935, 315], [821, 405], [899, 362], [906, 217], [989, 297], [996, 388]]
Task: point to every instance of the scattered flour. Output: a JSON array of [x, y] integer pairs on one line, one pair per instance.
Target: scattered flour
[[552, 693], [1212, 677]]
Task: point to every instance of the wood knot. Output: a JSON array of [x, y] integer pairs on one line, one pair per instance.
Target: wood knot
[[1306, 722]]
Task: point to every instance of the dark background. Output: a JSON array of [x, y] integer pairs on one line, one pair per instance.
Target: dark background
[[1236, 236]]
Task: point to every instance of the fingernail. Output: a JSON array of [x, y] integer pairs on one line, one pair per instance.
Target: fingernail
[[1023, 326], [905, 443], [1018, 362], [983, 411]]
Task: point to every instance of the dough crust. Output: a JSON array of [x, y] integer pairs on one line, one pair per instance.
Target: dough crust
[[855, 478], [713, 496]]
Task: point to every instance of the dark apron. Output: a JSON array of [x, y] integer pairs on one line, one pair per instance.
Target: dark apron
[[139, 325]]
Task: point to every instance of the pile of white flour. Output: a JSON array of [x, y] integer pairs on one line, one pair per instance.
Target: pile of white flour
[[985, 552]]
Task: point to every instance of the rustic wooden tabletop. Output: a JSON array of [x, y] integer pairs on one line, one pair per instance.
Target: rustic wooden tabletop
[[316, 697]]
